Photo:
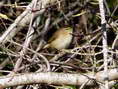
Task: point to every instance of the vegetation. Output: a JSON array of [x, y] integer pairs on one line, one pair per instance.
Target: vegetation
[[26, 26]]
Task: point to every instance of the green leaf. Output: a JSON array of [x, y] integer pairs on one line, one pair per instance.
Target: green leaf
[[79, 14], [3, 16]]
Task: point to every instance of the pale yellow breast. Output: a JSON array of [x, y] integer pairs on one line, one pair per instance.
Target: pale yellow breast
[[62, 42]]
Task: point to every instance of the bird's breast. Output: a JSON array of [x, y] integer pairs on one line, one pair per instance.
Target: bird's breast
[[62, 42]]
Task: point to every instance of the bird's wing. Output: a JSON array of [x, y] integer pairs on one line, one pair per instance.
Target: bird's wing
[[55, 35]]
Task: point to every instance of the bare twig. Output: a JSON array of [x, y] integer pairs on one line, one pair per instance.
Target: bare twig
[[23, 20], [105, 50], [27, 41]]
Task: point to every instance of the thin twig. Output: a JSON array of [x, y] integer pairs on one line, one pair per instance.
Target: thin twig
[[27, 41]]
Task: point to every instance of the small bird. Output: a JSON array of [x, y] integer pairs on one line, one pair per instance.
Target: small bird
[[61, 39]]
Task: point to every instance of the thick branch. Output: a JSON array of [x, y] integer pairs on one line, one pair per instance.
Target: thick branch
[[56, 78]]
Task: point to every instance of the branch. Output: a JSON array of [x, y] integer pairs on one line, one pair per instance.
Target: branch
[[28, 39], [24, 19], [104, 42], [57, 78]]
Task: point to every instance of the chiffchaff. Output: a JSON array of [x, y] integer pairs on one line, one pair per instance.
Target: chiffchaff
[[61, 39]]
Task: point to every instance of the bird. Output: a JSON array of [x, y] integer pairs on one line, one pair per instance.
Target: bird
[[61, 39]]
